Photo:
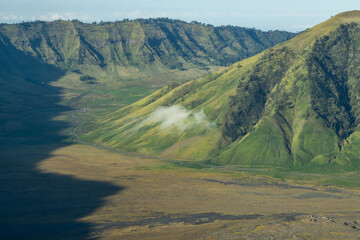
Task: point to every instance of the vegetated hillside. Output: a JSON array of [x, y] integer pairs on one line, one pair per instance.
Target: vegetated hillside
[[157, 50], [28, 104], [296, 104], [97, 68]]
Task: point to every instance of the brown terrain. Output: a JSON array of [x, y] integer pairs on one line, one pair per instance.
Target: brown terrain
[[90, 193]]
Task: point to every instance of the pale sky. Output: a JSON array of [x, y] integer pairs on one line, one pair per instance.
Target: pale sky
[[266, 15]]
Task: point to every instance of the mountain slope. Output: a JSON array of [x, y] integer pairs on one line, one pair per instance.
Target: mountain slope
[[141, 48], [105, 66], [28, 104], [292, 105]]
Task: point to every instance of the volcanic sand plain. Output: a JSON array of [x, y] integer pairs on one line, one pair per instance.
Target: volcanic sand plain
[[126, 196]]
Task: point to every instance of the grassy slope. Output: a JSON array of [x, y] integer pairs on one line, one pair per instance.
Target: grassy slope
[[310, 140], [288, 132], [28, 105], [110, 65], [154, 50]]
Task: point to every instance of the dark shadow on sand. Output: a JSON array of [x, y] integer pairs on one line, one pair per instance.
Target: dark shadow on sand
[[33, 204]]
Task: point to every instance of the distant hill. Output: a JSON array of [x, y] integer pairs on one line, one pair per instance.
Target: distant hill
[[78, 72], [296, 104], [139, 48]]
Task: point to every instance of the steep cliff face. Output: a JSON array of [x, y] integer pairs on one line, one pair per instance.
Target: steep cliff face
[[154, 45]]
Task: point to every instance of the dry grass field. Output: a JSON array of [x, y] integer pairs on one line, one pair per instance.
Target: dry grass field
[[83, 192]]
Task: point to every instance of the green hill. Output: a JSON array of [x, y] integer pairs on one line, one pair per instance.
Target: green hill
[[296, 104], [92, 69], [28, 103], [153, 50]]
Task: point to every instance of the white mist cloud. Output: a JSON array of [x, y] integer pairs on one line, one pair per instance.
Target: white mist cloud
[[140, 14], [12, 17], [64, 16], [177, 117]]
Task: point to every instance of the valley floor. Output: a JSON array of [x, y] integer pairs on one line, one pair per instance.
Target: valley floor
[[83, 192]]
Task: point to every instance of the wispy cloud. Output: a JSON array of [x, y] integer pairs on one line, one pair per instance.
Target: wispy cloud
[[193, 15], [257, 14], [46, 17], [140, 14], [67, 15], [12, 17], [177, 117]]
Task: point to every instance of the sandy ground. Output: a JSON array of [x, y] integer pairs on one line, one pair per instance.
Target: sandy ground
[[107, 195]]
